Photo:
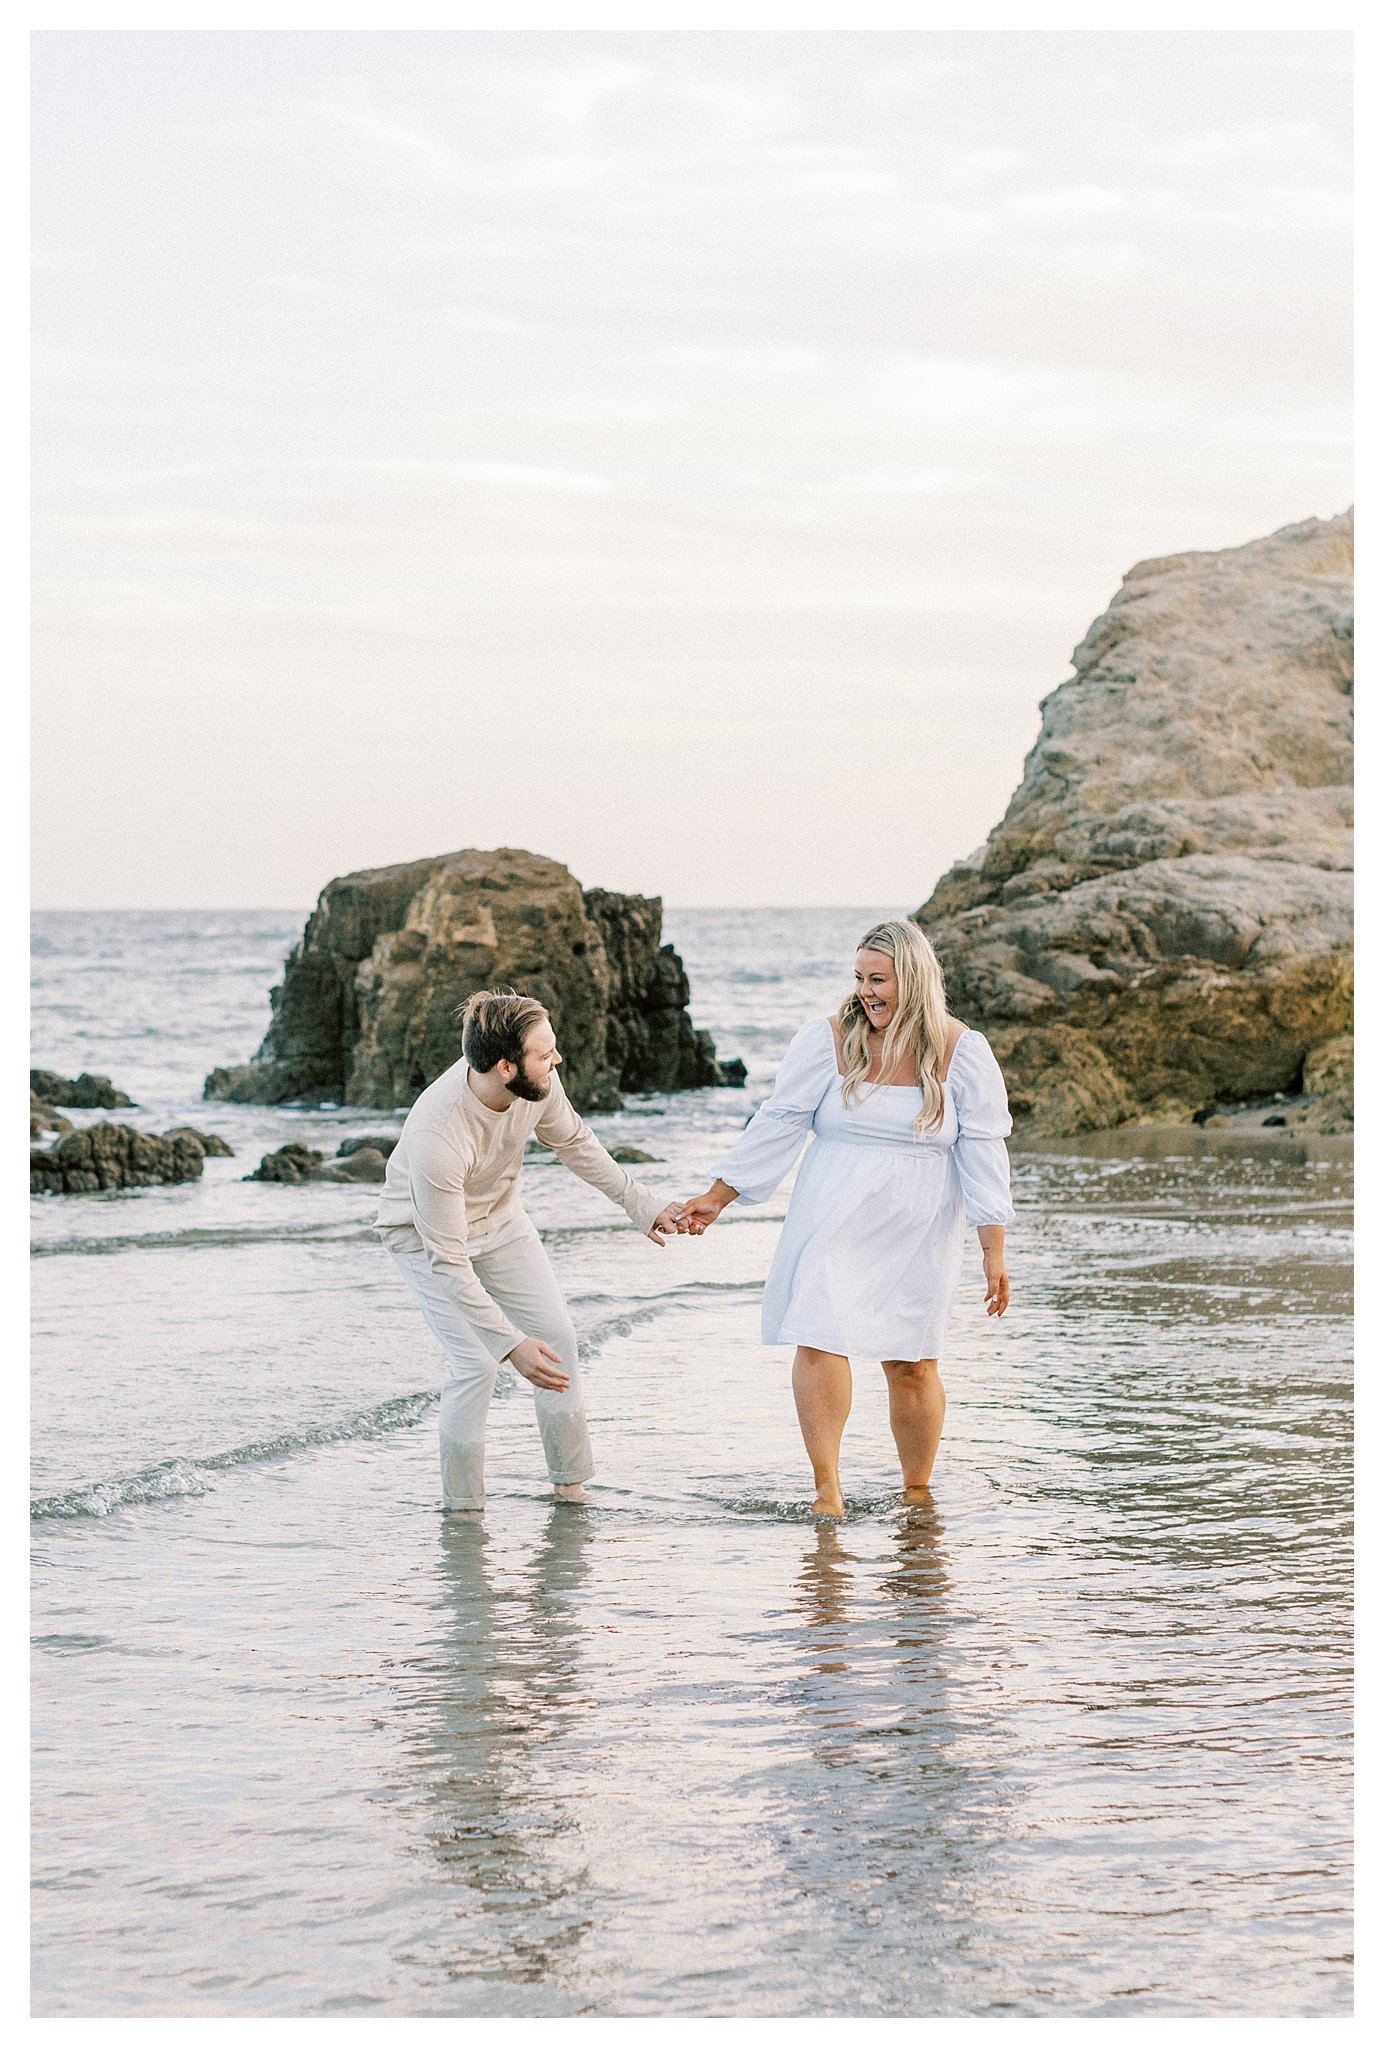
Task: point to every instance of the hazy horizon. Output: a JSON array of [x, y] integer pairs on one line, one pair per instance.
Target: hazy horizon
[[690, 456]]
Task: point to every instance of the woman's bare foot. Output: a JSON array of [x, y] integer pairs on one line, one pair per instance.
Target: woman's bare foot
[[829, 1503], [918, 1496], [576, 1494]]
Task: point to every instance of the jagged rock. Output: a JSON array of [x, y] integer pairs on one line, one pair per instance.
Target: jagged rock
[[212, 1146], [292, 1164], [105, 1156], [42, 1119], [383, 1143], [630, 1155], [88, 1091], [367, 1010], [1161, 923], [295, 1164]]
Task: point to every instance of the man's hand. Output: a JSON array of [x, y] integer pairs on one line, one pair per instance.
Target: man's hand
[[531, 1361], [669, 1218]]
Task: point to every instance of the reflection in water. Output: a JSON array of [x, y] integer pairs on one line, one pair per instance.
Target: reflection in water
[[500, 1689], [898, 1822]]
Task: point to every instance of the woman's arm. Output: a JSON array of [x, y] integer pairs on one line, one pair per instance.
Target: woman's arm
[[775, 1134]]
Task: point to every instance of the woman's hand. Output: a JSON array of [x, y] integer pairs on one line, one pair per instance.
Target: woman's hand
[[996, 1285], [996, 1275], [699, 1215]]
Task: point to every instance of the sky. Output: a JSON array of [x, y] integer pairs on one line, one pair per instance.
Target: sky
[[690, 456]]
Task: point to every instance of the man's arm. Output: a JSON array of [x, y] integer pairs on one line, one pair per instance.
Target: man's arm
[[582, 1152]]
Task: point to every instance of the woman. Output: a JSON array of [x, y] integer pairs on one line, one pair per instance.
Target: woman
[[909, 1113]]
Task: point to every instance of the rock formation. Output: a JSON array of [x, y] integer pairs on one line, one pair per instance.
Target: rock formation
[[106, 1156], [88, 1091], [367, 1010], [1162, 920], [357, 1160]]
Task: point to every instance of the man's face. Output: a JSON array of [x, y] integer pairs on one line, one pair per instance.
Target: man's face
[[531, 1078]]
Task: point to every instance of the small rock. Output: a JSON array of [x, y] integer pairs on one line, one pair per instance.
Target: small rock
[[291, 1164], [366, 1164], [1270, 1121], [88, 1091], [42, 1119], [630, 1155], [734, 1073], [383, 1143]]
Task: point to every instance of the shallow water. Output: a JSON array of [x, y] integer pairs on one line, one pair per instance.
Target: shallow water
[[1072, 1741]]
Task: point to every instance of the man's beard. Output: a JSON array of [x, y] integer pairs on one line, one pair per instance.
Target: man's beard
[[527, 1090]]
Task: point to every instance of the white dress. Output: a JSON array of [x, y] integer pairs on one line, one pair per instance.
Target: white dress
[[871, 1249]]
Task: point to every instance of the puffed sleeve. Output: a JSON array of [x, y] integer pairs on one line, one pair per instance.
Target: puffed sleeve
[[983, 1124], [774, 1136]]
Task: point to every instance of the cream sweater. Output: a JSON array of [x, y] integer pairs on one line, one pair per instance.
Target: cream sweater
[[453, 1179]]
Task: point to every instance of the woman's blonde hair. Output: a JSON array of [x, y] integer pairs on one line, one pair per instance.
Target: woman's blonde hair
[[919, 1025]]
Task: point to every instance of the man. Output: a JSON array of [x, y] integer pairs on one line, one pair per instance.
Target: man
[[451, 1215]]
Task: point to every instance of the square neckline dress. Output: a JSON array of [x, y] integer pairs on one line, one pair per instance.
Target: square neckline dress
[[869, 1257]]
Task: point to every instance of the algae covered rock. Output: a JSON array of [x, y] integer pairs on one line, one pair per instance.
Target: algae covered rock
[[367, 1012], [112, 1156], [88, 1091], [292, 1164], [1162, 920]]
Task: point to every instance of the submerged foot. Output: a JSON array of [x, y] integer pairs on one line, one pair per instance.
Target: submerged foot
[[575, 1494], [829, 1502], [918, 1496]]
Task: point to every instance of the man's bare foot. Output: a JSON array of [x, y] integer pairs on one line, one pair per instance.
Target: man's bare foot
[[575, 1494]]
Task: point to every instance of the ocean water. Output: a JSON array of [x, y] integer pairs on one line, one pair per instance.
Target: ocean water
[[1073, 1741]]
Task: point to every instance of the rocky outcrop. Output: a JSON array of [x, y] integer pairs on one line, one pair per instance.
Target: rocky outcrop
[[367, 1012], [356, 1160], [106, 1156], [88, 1091], [1162, 920]]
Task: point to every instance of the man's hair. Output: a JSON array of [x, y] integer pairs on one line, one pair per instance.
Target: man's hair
[[494, 1024]]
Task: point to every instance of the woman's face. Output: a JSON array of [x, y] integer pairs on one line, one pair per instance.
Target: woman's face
[[877, 986]]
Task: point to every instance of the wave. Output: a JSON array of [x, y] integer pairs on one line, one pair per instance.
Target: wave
[[184, 1478], [211, 1238]]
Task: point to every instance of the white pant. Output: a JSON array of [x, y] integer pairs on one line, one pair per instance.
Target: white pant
[[513, 1268]]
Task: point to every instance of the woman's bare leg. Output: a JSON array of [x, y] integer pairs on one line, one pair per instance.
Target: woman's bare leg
[[917, 1404], [822, 1391]]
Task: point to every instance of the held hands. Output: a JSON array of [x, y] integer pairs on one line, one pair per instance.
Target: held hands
[[531, 1360], [668, 1218]]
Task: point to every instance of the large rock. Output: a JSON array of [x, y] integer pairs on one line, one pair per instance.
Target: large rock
[[106, 1156], [1162, 919], [368, 1008]]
